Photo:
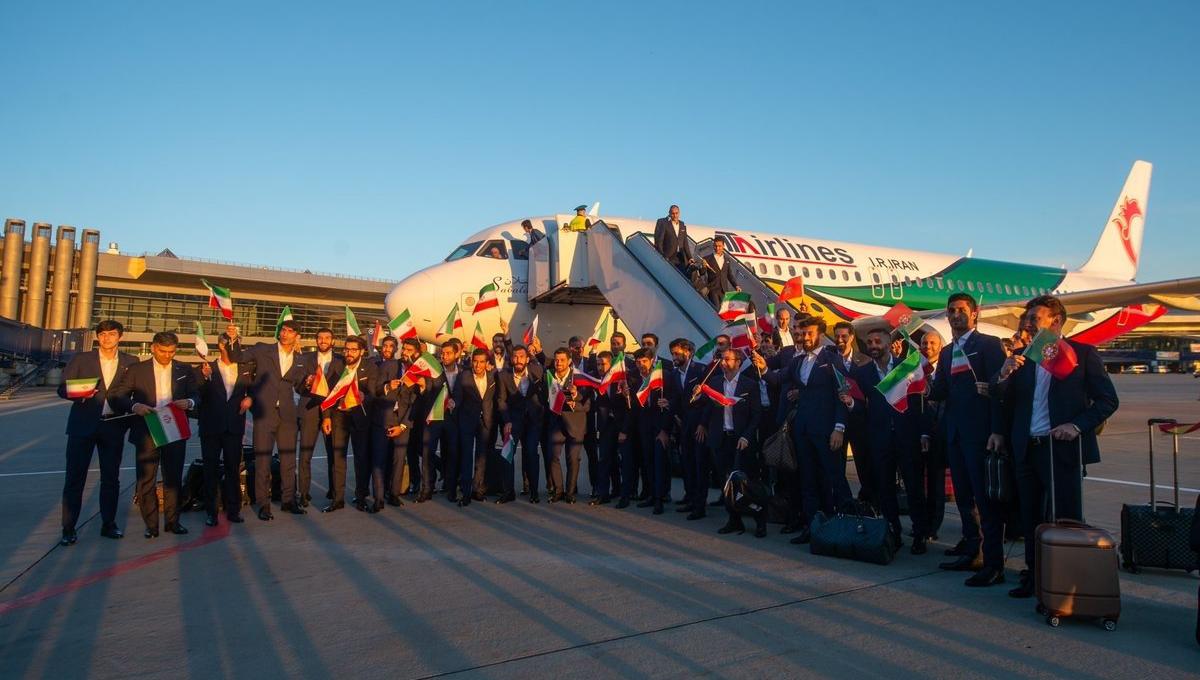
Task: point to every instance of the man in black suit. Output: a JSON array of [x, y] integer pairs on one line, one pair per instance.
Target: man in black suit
[[1053, 421], [931, 457], [347, 420], [819, 421], [610, 408], [441, 435], [895, 438], [401, 427], [681, 381], [720, 273], [383, 418], [532, 235], [671, 239], [522, 411], [279, 374], [93, 425], [648, 425], [582, 363], [146, 386], [475, 397], [224, 387], [329, 363], [856, 429], [567, 410], [729, 431], [973, 426]]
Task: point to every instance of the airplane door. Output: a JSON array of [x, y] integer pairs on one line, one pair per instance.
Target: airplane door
[[895, 287], [876, 284]]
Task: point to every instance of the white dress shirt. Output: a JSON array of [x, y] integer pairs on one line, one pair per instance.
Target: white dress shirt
[[480, 383], [323, 359], [285, 359], [806, 365], [521, 381], [730, 390], [1039, 419], [108, 369], [163, 389], [451, 378], [229, 372]]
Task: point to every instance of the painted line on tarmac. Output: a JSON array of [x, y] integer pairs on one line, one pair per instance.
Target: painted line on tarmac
[[210, 535], [1143, 485]]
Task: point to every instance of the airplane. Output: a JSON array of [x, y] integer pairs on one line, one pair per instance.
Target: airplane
[[842, 281]]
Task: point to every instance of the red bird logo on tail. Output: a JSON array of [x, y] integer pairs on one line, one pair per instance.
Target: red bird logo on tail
[[1129, 210]]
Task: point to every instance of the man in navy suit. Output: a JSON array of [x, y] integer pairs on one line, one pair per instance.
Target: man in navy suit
[[894, 439], [720, 273], [566, 426], [856, 429], [681, 383], [610, 409], [1053, 421], [92, 425], [671, 239], [522, 411], [146, 386], [383, 418], [819, 424], [348, 424], [648, 428], [279, 377], [475, 395], [729, 431], [224, 400], [323, 360], [441, 435], [973, 426]]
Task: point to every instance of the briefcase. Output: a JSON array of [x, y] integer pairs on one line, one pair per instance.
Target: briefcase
[[777, 450], [865, 539], [998, 477], [1157, 534]]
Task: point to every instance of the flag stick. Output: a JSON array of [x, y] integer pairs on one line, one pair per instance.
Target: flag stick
[[708, 375]]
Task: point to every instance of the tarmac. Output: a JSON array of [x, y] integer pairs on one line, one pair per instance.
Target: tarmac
[[519, 590]]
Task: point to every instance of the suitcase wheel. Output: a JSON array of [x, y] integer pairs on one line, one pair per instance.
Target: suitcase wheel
[[1053, 621], [1110, 625]]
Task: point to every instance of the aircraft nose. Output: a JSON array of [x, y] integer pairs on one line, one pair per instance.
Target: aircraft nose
[[415, 294]]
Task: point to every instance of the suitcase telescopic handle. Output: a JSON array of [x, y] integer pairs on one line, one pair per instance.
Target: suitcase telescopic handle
[[1151, 423], [1053, 500]]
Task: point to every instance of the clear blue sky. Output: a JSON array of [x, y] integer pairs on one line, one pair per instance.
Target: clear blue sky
[[370, 138]]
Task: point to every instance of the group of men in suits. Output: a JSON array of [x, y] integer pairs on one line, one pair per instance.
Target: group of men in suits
[[403, 417]]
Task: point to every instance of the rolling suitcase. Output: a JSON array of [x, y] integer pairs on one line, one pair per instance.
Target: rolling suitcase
[[1075, 568], [1156, 535]]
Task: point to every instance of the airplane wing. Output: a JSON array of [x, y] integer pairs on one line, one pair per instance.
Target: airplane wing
[[1177, 293]]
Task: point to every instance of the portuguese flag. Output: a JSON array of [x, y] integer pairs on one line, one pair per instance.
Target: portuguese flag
[[902, 318], [220, 298], [167, 424], [451, 324], [734, 305], [477, 339], [908, 377], [1053, 353], [320, 385], [351, 323], [653, 381], [438, 410], [487, 298], [719, 397], [82, 388], [402, 326]]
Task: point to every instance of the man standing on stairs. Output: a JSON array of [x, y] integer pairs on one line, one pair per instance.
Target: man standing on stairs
[[671, 240]]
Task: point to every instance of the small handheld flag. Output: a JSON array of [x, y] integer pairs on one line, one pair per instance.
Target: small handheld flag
[[220, 298], [653, 381], [600, 333], [438, 410], [82, 388], [487, 298], [377, 334], [1178, 428], [1053, 353], [346, 390], [734, 305], [530, 332], [402, 326], [848, 385], [167, 424], [200, 344], [959, 362], [616, 372], [902, 318], [452, 322], [793, 289], [719, 397], [351, 323], [477, 339], [508, 450], [908, 377], [584, 380], [705, 352]]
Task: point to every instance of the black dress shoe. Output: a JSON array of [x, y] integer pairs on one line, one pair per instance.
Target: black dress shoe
[[210, 521], [235, 518], [569, 499], [360, 506], [964, 563], [731, 527], [696, 514], [760, 532], [988, 576], [555, 497], [958, 550], [373, 508], [506, 498], [622, 503], [648, 503], [177, 529], [424, 498], [294, 509], [595, 501], [150, 533], [112, 531], [334, 507], [452, 497], [265, 514], [1022, 591], [394, 501], [802, 536], [918, 546], [464, 502], [658, 508], [69, 537], [534, 498], [717, 503]]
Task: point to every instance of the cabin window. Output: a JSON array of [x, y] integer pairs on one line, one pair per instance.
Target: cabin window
[[820, 273], [858, 277], [895, 280], [920, 283], [1007, 289], [464, 250], [791, 270], [832, 274], [970, 286], [805, 271], [778, 270], [762, 268], [845, 275], [989, 287], [494, 250], [875, 277]]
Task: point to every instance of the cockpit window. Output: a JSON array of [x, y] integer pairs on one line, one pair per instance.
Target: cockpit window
[[494, 249], [464, 250], [520, 250]]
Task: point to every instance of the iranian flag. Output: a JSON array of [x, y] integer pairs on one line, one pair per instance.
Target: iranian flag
[[438, 410], [652, 382], [740, 336], [345, 389], [200, 344], [320, 386], [377, 334], [351, 323], [734, 305], [487, 298], [167, 424], [847, 385], [530, 332], [908, 377], [766, 324], [477, 339], [1053, 353], [719, 397], [902, 318], [704, 352], [285, 314], [402, 326], [426, 366], [82, 388], [793, 289], [959, 362], [451, 324], [582, 379], [508, 450], [615, 372], [557, 396], [220, 298], [600, 333]]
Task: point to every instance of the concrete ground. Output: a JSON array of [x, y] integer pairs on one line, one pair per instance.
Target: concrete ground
[[553, 590]]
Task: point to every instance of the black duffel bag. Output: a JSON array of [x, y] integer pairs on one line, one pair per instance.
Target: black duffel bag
[[777, 450], [865, 539]]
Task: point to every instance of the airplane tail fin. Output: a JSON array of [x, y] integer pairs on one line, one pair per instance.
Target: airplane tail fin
[[1120, 246]]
